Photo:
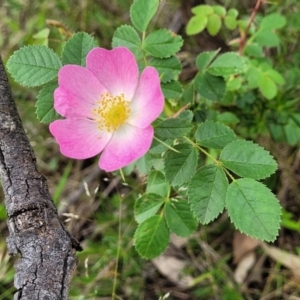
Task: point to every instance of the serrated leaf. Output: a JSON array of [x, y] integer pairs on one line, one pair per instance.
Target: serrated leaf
[[158, 148], [230, 22], [172, 89], [210, 87], [214, 24], [44, 106], [77, 48], [186, 115], [173, 128], [206, 193], [147, 206], [273, 21], [162, 43], [34, 65], [179, 167], [204, 59], [168, 68], [128, 37], [247, 159], [196, 24], [157, 184], [141, 13], [229, 63], [253, 209], [267, 87], [180, 218], [152, 237], [214, 135]]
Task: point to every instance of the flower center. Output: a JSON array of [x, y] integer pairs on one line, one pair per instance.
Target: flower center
[[111, 112]]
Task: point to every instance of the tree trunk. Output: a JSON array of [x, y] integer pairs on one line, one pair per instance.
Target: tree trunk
[[47, 251]]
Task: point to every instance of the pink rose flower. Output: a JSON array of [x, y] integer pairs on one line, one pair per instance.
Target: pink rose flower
[[107, 107]]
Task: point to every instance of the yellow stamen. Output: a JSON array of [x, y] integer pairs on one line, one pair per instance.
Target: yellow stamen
[[111, 112]]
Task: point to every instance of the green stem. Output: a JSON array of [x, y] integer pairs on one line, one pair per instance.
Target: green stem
[[228, 174], [118, 253], [202, 150], [165, 144], [217, 162]]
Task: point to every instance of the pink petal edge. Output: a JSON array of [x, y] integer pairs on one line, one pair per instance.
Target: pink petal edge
[[116, 69], [148, 101], [77, 93], [127, 144], [79, 138]]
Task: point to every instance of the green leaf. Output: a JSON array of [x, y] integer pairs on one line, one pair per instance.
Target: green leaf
[[202, 10], [228, 117], [168, 68], [206, 193], [267, 87], [214, 24], [275, 76], [219, 10], [234, 84], [247, 159], [179, 218], [128, 37], [179, 167], [157, 184], [44, 106], [210, 87], [230, 22], [34, 65], [196, 24], [141, 13], [205, 58], [147, 206], [186, 115], [214, 135], [253, 76], [229, 63], [162, 43], [273, 21], [233, 12], [158, 148], [152, 237], [172, 89], [253, 209], [254, 50], [77, 48], [267, 38], [173, 128]]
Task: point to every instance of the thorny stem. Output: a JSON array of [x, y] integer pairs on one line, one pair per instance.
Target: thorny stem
[[244, 34]]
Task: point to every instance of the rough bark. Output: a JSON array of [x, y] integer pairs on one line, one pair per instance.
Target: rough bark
[[47, 251]]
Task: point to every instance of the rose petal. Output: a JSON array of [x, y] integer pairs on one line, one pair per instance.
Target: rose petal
[[127, 144], [148, 101], [78, 91], [116, 70], [79, 138]]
